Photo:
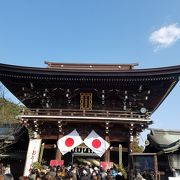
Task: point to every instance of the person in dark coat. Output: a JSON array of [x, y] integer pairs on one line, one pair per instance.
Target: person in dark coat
[[119, 176]]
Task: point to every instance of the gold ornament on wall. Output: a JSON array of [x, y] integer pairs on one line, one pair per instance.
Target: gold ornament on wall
[[85, 101]]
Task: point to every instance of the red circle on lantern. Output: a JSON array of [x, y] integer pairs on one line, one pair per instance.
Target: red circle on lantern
[[96, 143], [69, 142]]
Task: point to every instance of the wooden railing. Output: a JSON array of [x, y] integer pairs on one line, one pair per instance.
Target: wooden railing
[[84, 113]]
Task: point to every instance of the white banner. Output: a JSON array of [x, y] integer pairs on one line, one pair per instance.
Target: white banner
[[32, 154]]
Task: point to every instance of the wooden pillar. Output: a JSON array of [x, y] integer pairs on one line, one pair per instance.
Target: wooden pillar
[[41, 153], [131, 144], [107, 153], [131, 138], [58, 153], [130, 150], [120, 154]]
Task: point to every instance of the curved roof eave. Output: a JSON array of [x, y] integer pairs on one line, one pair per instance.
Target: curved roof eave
[[165, 95], [171, 70]]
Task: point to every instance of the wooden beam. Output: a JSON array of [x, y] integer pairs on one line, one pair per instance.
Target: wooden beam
[[53, 137], [116, 149], [49, 146], [84, 118]]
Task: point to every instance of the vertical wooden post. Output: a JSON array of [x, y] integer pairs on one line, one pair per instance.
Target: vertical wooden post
[[107, 153], [130, 147], [120, 154], [130, 150], [58, 153], [131, 137], [41, 153]]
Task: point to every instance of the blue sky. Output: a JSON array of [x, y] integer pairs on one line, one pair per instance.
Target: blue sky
[[95, 31]]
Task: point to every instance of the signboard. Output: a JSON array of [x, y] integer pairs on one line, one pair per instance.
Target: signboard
[[85, 101], [56, 163], [106, 165], [144, 163], [83, 150], [32, 154]]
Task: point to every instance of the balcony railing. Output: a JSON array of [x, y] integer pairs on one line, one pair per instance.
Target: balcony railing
[[84, 113]]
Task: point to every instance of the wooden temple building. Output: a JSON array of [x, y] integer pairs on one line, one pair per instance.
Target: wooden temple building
[[166, 144], [13, 147], [114, 100]]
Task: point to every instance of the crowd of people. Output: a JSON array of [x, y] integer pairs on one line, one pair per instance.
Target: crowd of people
[[75, 172], [71, 172]]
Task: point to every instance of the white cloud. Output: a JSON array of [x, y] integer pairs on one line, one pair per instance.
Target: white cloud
[[165, 36]]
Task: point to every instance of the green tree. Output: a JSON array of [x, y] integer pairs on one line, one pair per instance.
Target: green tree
[[137, 148], [8, 109]]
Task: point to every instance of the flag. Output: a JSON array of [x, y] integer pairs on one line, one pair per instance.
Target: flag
[[69, 142], [96, 143]]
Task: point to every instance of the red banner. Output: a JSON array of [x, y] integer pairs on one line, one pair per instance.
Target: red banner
[[56, 163], [106, 165]]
